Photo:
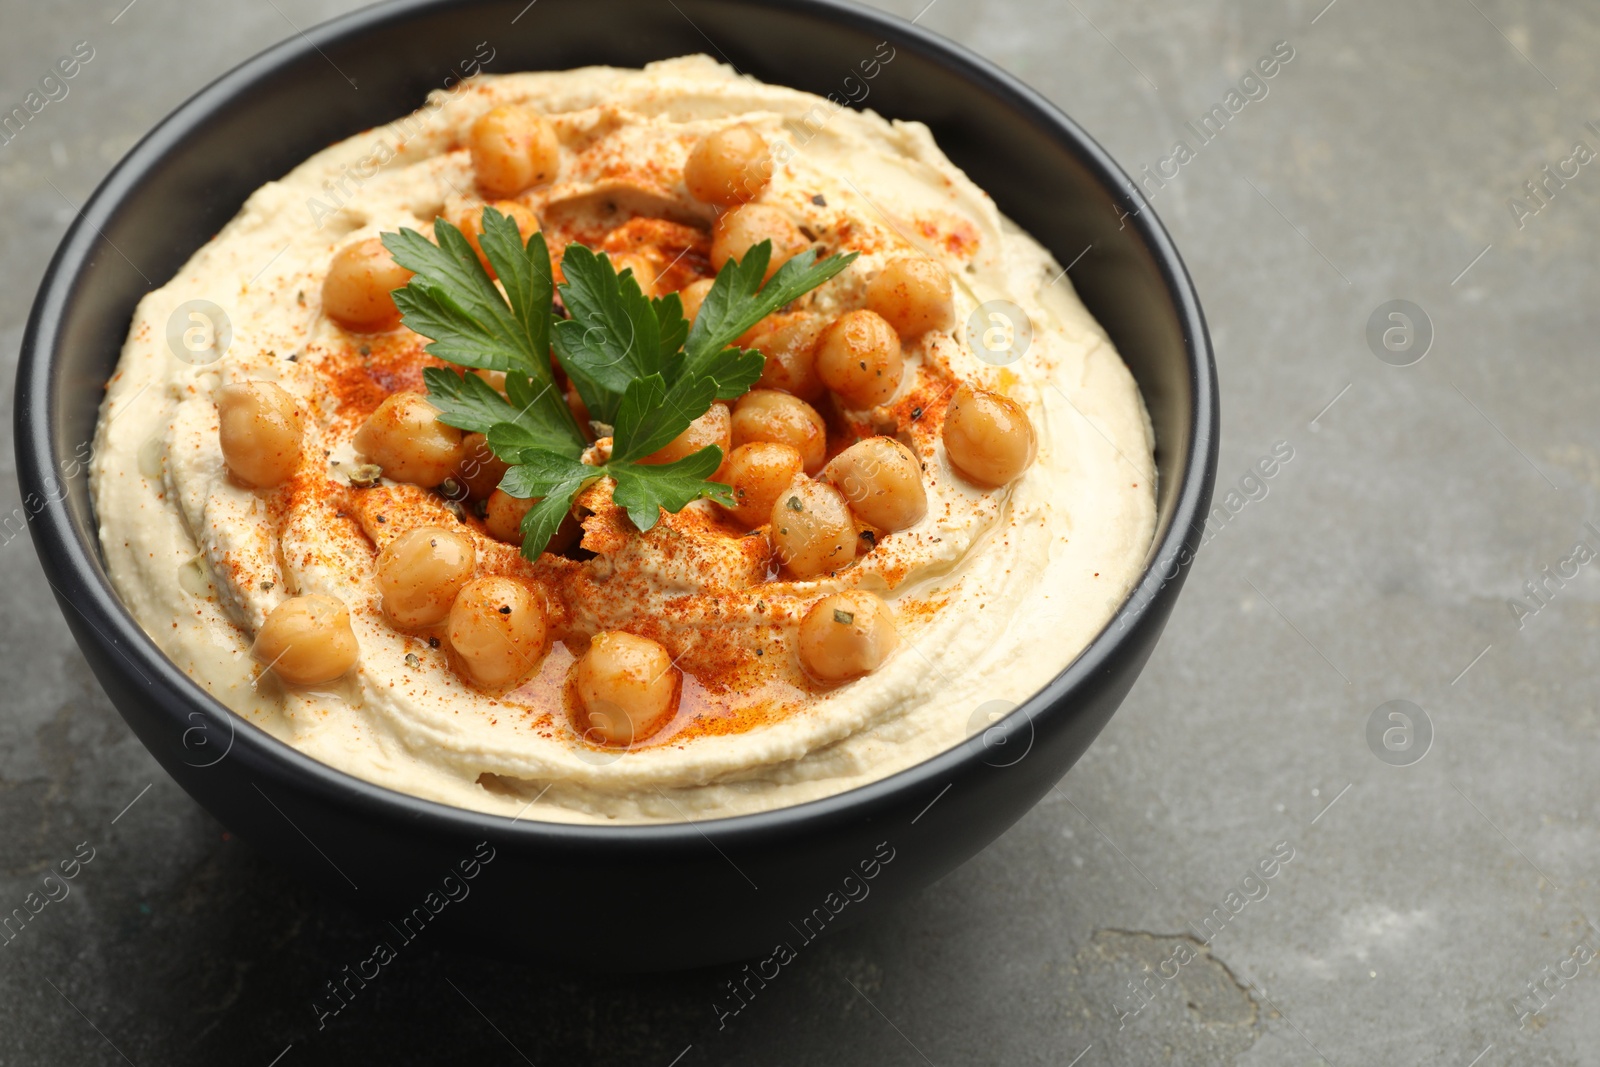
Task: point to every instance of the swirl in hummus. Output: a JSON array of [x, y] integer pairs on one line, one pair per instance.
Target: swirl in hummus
[[982, 593]]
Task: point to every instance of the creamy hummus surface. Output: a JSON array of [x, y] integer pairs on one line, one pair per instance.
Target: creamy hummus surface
[[993, 591]]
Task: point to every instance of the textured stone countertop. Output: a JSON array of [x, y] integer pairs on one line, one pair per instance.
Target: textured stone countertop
[[1380, 562]]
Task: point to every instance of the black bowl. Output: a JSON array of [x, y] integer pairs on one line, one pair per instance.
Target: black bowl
[[627, 897]]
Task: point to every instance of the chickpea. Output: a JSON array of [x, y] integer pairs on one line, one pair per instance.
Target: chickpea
[[738, 230], [987, 436], [728, 167], [496, 628], [471, 226], [405, 437], [882, 480], [791, 350], [693, 295], [644, 271], [480, 470], [357, 290], [627, 685], [859, 358], [757, 473], [513, 149], [307, 640], [259, 430], [847, 635], [503, 514], [768, 415], [421, 571], [913, 294], [812, 529], [715, 427]]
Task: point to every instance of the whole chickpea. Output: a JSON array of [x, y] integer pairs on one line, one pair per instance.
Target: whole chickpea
[[715, 427], [882, 480], [480, 469], [812, 531], [627, 686], [357, 290], [259, 430], [513, 149], [790, 348], [405, 437], [768, 415], [729, 166], [741, 228], [496, 627], [913, 294], [757, 473], [471, 226], [693, 295], [987, 436], [421, 571], [307, 640], [503, 514], [847, 635], [859, 358]]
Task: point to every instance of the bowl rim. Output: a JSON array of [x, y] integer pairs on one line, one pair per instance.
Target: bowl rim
[[72, 559]]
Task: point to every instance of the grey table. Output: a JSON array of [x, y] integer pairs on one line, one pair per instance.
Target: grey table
[[1433, 908]]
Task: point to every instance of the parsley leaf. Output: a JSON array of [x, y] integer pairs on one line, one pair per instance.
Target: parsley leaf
[[738, 300], [613, 335], [638, 365], [645, 490], [466, 401], [554, 480], [453, 301]]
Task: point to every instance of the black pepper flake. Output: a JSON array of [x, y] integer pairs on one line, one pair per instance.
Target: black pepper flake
[[382, 519], [864, 366], [869, 537], [293, 357], [761, 605], [761, 652], [817, 200], [845, 617], [300, 297], [433, 642], [794, 504], [266, 587], [505, 609], [916, 413], [365, 350]]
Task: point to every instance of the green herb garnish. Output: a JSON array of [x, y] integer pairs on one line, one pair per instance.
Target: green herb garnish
[[642, 371]]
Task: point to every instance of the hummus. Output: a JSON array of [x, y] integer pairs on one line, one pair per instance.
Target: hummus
[[994, 591]]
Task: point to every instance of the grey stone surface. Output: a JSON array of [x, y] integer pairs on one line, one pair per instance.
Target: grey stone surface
[[1421, 899]]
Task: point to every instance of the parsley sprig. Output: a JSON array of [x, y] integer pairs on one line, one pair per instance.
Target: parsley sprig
[[640, 368]]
